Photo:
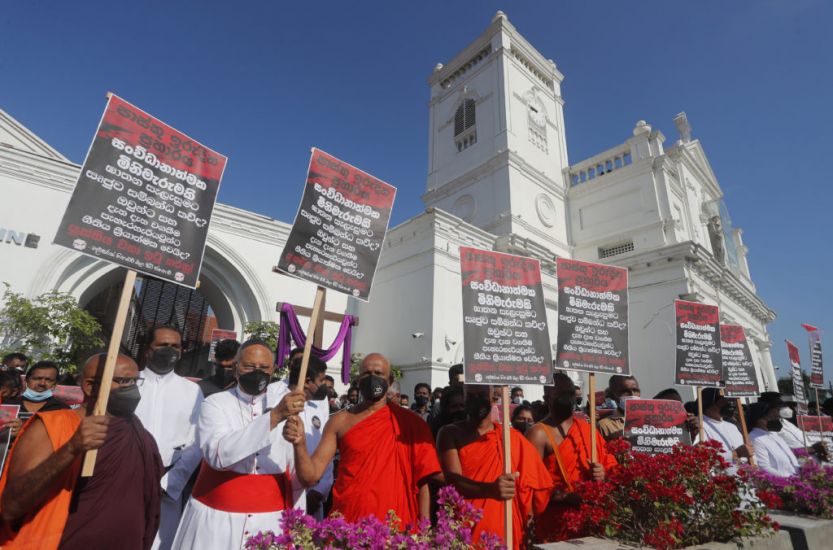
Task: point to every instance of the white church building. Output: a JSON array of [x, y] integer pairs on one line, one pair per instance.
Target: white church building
[[498, 178]]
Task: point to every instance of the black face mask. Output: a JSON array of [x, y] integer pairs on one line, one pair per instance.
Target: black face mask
[[323, 392], [578, 402], [774, 425], [477, 407], [420, 401], [163, 360], [520, 426], [728, 411], [123, 401], [373, 388], [562, 406], [253, 383]]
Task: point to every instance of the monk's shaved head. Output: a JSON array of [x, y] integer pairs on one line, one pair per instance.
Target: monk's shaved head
[[378, 364]]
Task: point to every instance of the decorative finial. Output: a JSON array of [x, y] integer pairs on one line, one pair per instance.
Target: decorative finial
[[498, 15], [642, 127], [438, 67], [681, 121]]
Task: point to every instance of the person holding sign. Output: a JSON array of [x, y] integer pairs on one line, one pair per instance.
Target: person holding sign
[[620, 388], [46, 505], [387, 453], [471, 454], [722, 431], [563, 442], [771, 453], [243, 484]]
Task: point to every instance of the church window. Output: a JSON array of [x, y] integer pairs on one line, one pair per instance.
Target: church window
[[465, 132], [627, 159], [615, 250]]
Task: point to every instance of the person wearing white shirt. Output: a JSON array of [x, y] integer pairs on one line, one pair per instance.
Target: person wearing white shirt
[[771, 452], [793, 436], [169, 409], [717, 429], [314, 416], [243, 485]]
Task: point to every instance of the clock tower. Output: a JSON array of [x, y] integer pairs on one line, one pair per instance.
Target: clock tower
[[497, 150]]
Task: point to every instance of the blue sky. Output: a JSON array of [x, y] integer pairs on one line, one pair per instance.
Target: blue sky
[[263, 81]]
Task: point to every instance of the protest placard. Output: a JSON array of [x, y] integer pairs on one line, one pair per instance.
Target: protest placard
[[218, 334], [144, 196], [654, 426], [819, 428], [70, 395], [339, 228], [799, 391], [505, 330], [739, 372], [699, 361], [816, 362], [592, 317]]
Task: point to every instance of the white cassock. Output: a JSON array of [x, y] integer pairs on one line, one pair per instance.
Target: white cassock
[[725, 433], [772, 454], [235, 436], [169, 410], [314, 417]]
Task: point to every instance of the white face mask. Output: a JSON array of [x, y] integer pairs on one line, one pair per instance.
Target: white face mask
[[786, 413]]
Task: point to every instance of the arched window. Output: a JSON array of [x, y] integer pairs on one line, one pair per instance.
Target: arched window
[[465, 134]]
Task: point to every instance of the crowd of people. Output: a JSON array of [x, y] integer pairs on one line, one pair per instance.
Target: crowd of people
[[208, 464]]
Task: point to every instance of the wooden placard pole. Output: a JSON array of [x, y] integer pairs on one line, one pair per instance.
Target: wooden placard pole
[[818, 414], [592, 384], [743, 430], [100, 407], [507, 466], [702, 432], [317, 306]]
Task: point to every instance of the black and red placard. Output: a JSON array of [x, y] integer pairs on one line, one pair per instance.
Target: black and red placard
[[592, 317], [699, 361], [817, 427], [654, 426], [505, 330], [144, 197], [340, 227], [739, 372]]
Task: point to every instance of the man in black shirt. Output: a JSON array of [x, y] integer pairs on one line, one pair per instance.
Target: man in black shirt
[[223, 377]]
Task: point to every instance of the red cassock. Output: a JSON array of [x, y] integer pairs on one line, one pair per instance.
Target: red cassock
[[569, 463], [482, 461], [382, 460]]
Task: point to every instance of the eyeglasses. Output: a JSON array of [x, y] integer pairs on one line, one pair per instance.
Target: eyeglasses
[[128, 380]]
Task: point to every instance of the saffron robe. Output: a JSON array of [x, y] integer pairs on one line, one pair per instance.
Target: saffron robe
[[482, 461], [383, 459], [569, 463]]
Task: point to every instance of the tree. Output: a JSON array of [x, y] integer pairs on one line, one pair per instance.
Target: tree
[[263, 330], [48, 327]]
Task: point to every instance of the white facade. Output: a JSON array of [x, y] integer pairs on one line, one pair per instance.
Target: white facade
[[498, 178]]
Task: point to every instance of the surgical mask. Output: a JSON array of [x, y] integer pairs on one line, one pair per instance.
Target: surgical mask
[[36, 396], [517, 400], [420, 401], [786, 413], [163, 360], [373, 388], [123, 401], [253, 383], [774, 425]]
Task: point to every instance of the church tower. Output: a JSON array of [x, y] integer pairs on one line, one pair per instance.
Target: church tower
[[497, 150]]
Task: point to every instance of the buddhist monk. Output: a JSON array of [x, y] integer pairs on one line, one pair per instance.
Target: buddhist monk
[[471, 453], [563, 441], [46, 505], [387, 454]]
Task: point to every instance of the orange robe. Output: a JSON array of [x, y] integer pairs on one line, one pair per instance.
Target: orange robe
[[482, 461], [382, 460], [42, 529], [570, 463]]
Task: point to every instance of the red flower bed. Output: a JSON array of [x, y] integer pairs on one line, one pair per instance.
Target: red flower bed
[[682, 498]]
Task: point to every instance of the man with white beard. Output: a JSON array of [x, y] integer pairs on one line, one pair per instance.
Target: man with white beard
[[244, 480], [169, 409]]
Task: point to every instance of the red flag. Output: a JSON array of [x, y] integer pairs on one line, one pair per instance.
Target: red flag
[[793, 353], [809, 328]]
